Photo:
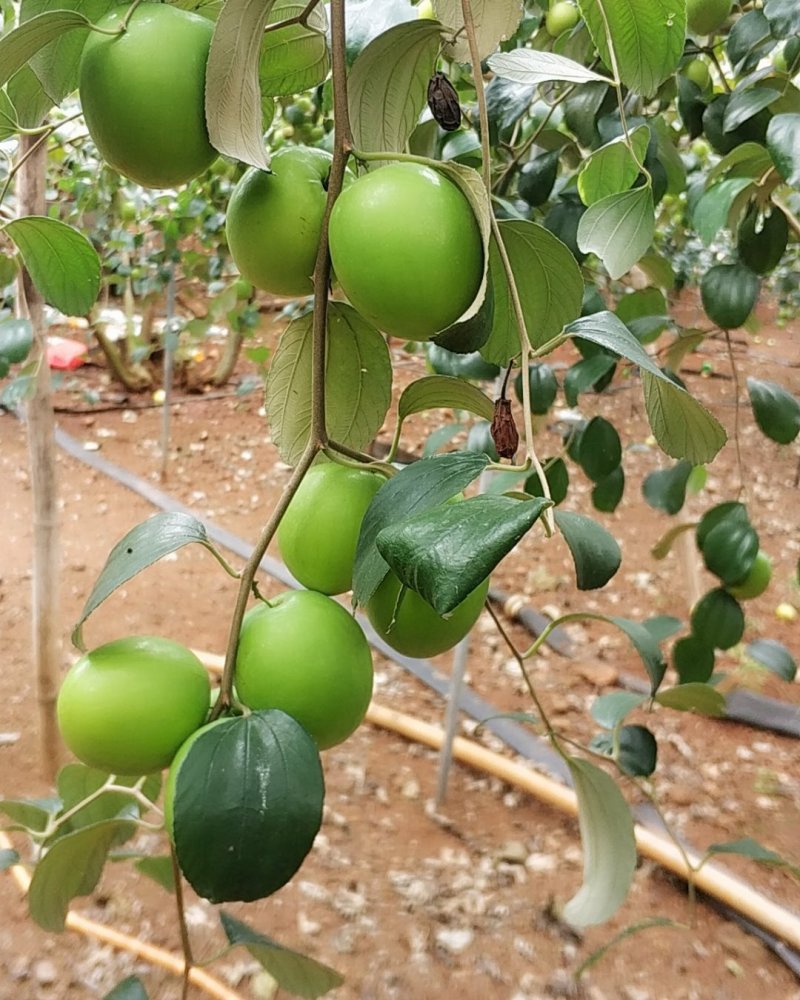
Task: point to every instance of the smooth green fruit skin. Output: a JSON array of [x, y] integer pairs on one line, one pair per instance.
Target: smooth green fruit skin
[[756, 581], [274, 220], [561, 17], [304, 654], [407, 250], [126, 707], [143, 94], [318, 534], [417, 630], [697, 71], [705, 16]]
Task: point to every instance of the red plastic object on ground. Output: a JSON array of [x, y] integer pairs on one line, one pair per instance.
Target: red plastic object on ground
[[65, 354]]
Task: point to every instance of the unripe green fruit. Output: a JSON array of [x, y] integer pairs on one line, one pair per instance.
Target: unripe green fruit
[[697, 71], [142, 94], [562, 16], [705, 16], [756, 581]]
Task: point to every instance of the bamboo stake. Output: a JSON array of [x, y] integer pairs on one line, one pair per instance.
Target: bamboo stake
[[123, 942], [42, 452]]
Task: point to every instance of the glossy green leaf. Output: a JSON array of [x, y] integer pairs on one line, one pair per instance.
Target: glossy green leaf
[[633, 747], [538, 176], [557, 476], [533, 67], [549, 283], [783, 17], [710, 214], [692, 697], [296, 973], [608, 491], [730, 510], [62, 263], [683, 427], [294, 58], [749, 39], [131, 988], [774, 656], [72, 867], [645, 644], [746, 103], [747, 847], [585, 375], [761, 240], [364, 21], [693, 657], [388, 84], [600, 449], [445, 553], [233, 94], [776, 410], [783, 143], [437, 391], [718, 619], [612, 168], [22, 43], [729, 550], [415, 489], [647, 36], [665, 489], [247, 806], [16, 340], [143, 545], [543, 387], [610, 709], [494, 21], [609, 846], [619, 229], [594, 551], [358, 373]]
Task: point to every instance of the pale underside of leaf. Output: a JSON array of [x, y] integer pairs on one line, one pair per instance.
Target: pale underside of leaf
[[495, 21], [531, 67], [233, 95]]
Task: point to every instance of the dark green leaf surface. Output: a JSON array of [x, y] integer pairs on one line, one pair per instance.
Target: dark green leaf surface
[[747, 847], [637, 750], [783, 143], [774, 656], [415, 489], [730, 549], [718, 619], [595, 552], [437, 391], [16, 339], [21, 44], [608, 491], [583, 375], [445, 553], [557, 476], [600, 449], [776, 410], [665, 489], [693, 657], [247, 806], [619, 229], [296, 973]]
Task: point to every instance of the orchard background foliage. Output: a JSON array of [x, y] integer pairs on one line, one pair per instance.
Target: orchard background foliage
[[584, 164]]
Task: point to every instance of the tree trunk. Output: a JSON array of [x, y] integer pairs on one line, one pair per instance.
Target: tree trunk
[[46, 624]]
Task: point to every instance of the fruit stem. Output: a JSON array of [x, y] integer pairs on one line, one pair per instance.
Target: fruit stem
[[335, 454], [736, 438], [525, 344], [186, 944], [249, 574]]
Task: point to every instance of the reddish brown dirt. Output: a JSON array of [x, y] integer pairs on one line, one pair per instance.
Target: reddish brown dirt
[[405, 905]]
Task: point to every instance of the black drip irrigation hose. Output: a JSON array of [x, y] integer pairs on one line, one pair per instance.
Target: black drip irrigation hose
[[526, 744]]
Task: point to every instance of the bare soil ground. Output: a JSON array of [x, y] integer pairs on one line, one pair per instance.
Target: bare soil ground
[[403, 904]]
